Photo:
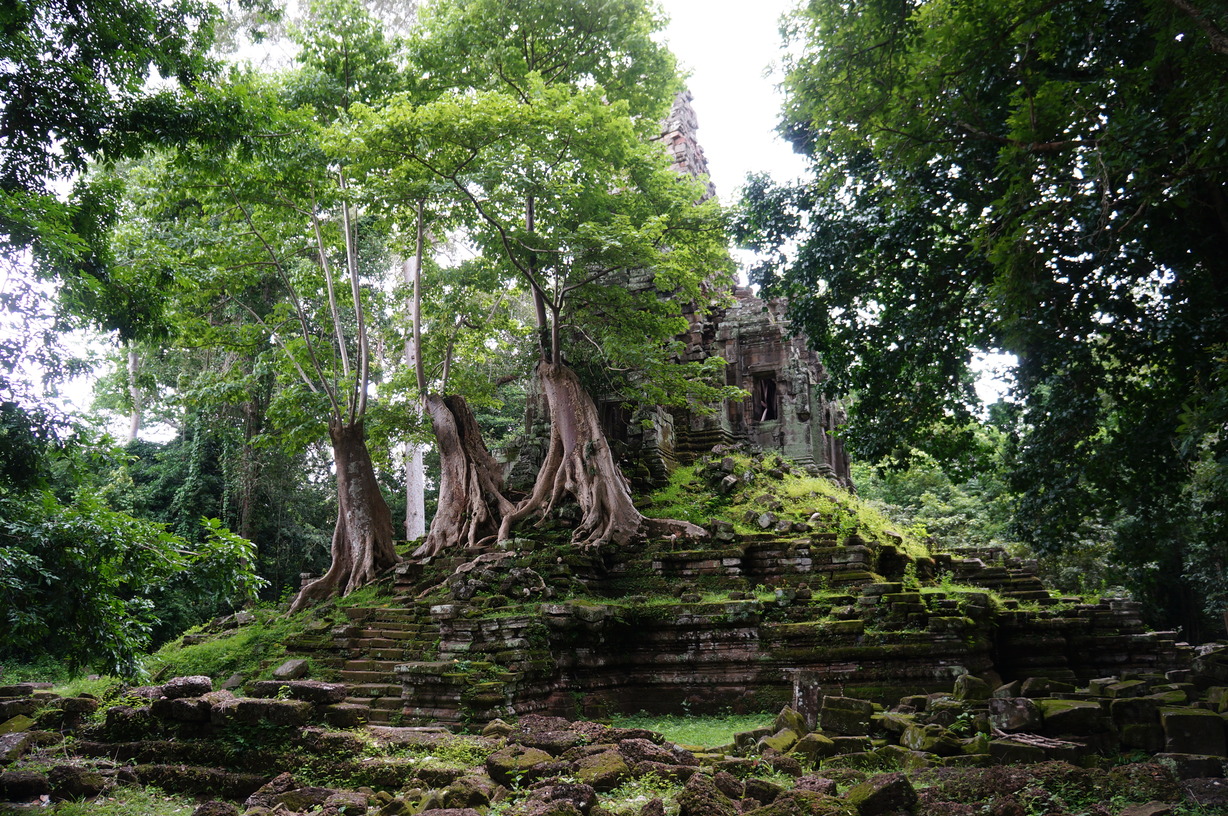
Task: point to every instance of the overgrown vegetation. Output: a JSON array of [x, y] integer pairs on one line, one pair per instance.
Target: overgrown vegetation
[[767, 483], [126, 801], [701, 731]]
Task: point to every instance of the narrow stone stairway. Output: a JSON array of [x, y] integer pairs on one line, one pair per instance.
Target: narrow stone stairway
[[376, 641]]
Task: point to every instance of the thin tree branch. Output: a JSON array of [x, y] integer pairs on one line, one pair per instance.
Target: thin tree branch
[[1219, 40], [294, 299], [359, 404], [327, 268], [273, 336]]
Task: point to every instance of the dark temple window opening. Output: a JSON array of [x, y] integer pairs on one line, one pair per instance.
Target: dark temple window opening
[[765, 399]]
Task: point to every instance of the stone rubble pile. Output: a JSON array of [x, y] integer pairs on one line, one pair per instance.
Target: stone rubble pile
[[837, 755]]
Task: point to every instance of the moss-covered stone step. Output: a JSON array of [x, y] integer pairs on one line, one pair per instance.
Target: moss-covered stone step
[[365, 690]]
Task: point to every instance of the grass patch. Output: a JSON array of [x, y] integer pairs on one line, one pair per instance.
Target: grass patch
[[41, 670], [120, 802], [457, 751], [251, 650], [705, 732], [629, 798]]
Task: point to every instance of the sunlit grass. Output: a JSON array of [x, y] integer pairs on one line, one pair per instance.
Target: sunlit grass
[[704, 732]]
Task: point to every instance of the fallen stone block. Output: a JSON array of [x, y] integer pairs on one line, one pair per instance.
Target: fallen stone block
[[700, 797], [16, 745], [1012, 752], [196, 779], [971, 689], [518, 764], [17, 723], [1042, 686], [781, 742], [1211, 794], [291, 670], [603, 771], [313, 691], [1193, 731], [180, 709], [193, 686], [72, 782], [883, 794], [290, 713], [1073, 717], [845, 715], [1014, 714], [1192, 766], [814, 747], [931, 739], [20, 786]]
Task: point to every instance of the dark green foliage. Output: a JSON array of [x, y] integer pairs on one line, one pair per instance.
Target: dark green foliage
[[69, 72], [201, 474], [80, 582], [1036, 178]]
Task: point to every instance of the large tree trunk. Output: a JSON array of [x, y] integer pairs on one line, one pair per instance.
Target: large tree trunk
[[471, 500], [579, 463], [362, 539]]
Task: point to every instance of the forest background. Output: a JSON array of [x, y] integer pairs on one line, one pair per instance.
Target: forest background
[[1033, 178]]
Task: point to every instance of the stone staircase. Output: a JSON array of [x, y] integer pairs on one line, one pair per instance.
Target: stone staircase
[[373, 644]]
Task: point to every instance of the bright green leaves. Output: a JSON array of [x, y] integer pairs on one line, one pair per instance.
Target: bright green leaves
[[603, 202], [345, 57], [495, 45]]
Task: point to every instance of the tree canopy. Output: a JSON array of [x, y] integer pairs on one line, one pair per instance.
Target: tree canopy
[[1041, 178]]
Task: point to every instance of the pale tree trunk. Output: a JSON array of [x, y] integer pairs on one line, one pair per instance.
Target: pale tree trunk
[[134, 393], [415, 469], [362, 540], [579, 463], [415, 492], [471, 500]]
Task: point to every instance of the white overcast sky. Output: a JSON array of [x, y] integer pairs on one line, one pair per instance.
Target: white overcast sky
[[727, 47]]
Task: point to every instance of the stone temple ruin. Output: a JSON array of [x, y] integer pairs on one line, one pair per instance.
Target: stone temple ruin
[[880, 662]]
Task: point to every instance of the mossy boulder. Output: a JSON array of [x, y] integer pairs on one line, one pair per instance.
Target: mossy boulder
[[813, 747], [17, 723], [931, 739], [971, 689], [603, 771], [882, 794], [700, 797], [518, 764], [303, 799], [780, 742], [471, 790], [762, 790], [792, 720]]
